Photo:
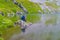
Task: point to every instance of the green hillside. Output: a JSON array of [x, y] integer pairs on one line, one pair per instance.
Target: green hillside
[[30, 6], [7, 28]]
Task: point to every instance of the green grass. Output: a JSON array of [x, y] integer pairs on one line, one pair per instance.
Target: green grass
[[6, 34], [8, 7], [7, 29], [30, 6]]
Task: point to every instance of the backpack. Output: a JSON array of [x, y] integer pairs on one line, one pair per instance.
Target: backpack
[[23, 18]]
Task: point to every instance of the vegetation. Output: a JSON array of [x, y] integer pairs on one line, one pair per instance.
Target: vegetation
[[7, 22], [30, 6], [8, 6]]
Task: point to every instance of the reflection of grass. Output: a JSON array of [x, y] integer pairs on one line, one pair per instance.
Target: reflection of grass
[[51, 21], [33, 18], [6, 34]]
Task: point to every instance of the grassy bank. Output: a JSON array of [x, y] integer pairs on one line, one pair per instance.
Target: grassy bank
[[6, 34]]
